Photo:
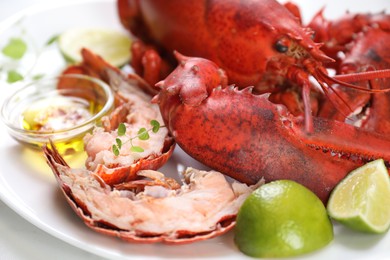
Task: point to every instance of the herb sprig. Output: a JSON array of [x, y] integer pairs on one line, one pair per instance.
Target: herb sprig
[[14, 52], [142, 134]]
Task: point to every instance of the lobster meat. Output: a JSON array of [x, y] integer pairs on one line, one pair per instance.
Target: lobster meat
[[132, 108], [156, 209], [248, 137]]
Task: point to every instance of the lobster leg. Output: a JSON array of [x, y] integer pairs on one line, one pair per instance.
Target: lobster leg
[[147, 62], [302, 78], [338, 33], [294, 9], [366, 58], [379, 119]]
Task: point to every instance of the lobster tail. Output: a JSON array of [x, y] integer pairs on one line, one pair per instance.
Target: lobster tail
[[53, 157]]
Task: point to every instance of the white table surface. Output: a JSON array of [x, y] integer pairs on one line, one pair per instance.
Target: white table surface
[[20, 239]]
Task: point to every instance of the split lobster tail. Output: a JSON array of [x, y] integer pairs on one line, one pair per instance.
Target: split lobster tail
[[141, 210]]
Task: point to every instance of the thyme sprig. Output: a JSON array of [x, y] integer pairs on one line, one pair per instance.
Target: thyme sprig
[[142, 134]]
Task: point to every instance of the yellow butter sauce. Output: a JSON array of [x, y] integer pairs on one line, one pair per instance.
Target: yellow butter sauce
[[59, 113], [56, 113]]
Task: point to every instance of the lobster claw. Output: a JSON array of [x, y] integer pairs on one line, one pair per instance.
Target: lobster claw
[[193, 86], [248, 138]]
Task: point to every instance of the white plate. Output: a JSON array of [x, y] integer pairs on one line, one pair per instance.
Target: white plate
[[28, 186]]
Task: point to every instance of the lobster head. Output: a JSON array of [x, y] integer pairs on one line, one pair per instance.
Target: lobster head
[[254, 42]]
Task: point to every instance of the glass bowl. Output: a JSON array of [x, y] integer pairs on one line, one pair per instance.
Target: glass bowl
[[61, 109]]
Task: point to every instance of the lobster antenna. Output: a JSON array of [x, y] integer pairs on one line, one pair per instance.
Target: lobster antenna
[[326, 89], [366, 75], [360, 76]]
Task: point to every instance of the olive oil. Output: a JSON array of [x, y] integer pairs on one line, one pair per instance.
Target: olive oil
[[56, 114]]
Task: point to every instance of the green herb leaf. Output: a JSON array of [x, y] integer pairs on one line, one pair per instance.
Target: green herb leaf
[[13, 76], [15, 48], [52, 40], [121, 129], [115, 150], [38, 76], [118, 143], [156, 126], [137, 149], [143, 134]]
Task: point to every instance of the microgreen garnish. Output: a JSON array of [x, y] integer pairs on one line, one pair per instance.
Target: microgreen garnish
[[13, 76], [115, 150], [52, 40], [121, 129], [156, 126], [142, 134], [38, 76], [14, 65], [137, 149], [15, 48]]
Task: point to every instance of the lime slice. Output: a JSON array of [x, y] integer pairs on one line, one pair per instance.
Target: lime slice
[[113, 46], [280, 219], [361, 200]]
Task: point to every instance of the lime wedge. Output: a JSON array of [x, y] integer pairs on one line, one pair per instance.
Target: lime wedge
[[112, 45], [281, 219], [361, 200]]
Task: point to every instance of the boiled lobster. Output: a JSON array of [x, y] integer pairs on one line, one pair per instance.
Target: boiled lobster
[[247, 137], [257, 43], [237, 131], [264, 45]]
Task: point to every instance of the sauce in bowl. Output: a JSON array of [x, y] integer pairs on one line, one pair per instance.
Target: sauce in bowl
[[54, 114], [62, 109]]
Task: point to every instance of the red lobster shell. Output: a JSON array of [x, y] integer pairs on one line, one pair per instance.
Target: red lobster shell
[[371, 110], [257, 43], [248, 138], [246, 38]]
